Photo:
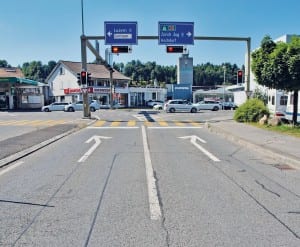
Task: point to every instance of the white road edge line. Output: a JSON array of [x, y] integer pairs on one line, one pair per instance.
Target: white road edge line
[[155, 210], [11, 167]]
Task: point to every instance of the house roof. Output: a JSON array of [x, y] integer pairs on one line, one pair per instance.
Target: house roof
[[14, 75], [11, 72], [97, 70]]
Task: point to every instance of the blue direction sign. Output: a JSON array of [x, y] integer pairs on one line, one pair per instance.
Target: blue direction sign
[[120, 33], [175, 33]]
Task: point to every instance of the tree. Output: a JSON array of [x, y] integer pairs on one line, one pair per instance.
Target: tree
[[277, 65], [4, 64]]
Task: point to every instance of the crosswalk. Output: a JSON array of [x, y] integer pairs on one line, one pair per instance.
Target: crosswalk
[[155, 124], [133, 123], [33, 122]]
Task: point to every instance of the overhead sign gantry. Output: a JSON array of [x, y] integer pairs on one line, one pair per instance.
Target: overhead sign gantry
[[170, 33]]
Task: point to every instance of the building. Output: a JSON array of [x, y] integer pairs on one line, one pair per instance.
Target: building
[[17, 92], [63, 86]]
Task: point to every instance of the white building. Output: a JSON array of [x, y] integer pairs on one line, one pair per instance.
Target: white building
[[63, 86]]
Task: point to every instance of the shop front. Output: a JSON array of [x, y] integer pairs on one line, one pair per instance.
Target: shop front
[[20, 93]]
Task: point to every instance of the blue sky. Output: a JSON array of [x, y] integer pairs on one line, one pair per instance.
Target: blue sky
[[45, 30]]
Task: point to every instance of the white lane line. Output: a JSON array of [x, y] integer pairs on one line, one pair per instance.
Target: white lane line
[[155, 210], [11, 167], [120, 127], [174, 127]]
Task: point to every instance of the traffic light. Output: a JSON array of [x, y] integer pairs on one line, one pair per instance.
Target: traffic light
[[78, 78], [83, 77], [239, 76], [89, 79], [174, 49], [119, 49]]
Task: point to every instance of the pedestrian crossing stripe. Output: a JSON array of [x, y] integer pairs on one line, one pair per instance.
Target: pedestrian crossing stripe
[[107, 124]]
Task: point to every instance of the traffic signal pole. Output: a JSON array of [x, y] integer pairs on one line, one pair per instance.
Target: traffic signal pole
[[86, 108]]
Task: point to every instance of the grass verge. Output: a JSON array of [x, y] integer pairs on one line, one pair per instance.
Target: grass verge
[[284, 129]]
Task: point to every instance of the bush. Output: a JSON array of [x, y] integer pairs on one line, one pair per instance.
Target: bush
[[251, 111]]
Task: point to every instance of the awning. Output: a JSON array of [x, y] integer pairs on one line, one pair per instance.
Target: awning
[[18, 80]]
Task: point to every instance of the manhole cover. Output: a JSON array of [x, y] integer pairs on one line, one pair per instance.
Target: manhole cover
[[284, 167]]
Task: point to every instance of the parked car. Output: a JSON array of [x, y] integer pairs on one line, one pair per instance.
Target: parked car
[[56, 106], [208, 105], [78, 106], [158, 107], [152, 103], [228, 105], [179, 105]]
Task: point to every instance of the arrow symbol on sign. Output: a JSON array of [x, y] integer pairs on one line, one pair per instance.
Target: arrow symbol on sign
[[194, 139], [97, 140], [189, 34], [109, 33]]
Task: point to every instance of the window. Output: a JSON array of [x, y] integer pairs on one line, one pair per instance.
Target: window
[[283, 100], [61, 71], [273, 100]]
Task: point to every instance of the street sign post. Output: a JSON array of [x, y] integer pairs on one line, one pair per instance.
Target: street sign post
[[175, 33], [120, 33]]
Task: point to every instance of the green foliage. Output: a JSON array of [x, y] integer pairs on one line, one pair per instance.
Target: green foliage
[[251, 111], [204, 74], [35, 70], [277, 65], [261, 95], [4, 64]]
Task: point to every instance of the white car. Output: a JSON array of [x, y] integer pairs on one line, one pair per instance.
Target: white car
[[179, 105], [158, 107], [78, 106], [152, 103], [208, 105], [57, 106]]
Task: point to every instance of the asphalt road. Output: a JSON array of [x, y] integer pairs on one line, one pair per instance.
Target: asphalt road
[[166, 184]]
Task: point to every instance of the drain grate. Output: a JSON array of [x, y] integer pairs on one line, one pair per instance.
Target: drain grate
[[284, 167]]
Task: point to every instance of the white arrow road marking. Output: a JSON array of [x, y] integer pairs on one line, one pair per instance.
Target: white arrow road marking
[[155, 211], [92, 149], [203, 150]]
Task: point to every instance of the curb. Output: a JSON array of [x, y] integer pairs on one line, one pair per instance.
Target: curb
[[273, 154]]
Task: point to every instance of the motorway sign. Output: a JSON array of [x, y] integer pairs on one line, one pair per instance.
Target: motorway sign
[[175, 33], [120, 33]]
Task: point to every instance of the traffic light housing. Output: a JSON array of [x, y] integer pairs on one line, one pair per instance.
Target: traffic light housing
[[119, 49], [83, 77], [78, 78], [89, 79], [239, 76], [174, 49]]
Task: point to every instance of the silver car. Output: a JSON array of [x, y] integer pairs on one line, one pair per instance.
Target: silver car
[[208, 105], [57, 106], [179, 105]]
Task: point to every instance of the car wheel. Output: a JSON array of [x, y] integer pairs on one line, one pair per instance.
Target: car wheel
[[172, 110], [71, 109], [215, 108], [193, 110], [47, 110], [92, 109]]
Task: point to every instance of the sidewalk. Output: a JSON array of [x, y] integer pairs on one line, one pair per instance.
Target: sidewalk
[[17, 147], [283, 148]]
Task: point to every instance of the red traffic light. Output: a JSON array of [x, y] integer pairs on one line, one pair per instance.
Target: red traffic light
[[83, 74], [119, 49], [239, 76], [174, 49]]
